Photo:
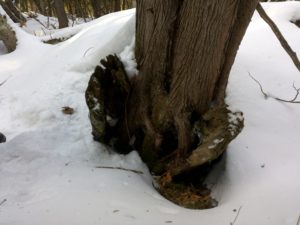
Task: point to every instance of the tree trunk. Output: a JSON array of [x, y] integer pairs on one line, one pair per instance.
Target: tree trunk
[[185, 50], [96, 6], [7, 35], [174, 112], [61, 13], [117, 6]]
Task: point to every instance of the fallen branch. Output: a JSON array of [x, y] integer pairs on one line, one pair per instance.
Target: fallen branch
[[293, 100], [279, 36], [119, 168], [237, 215]]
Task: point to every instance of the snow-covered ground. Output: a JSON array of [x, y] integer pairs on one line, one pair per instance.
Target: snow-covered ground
[[48, 166]]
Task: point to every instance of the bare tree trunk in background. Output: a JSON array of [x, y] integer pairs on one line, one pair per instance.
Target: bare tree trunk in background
[[117, 6], [174, 112], [61, 13], [96, 8]]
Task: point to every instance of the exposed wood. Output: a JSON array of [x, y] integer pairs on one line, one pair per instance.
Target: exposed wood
[[279, 36]]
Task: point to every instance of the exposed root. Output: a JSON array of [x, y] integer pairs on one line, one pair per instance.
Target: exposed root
[[280, 37], [188, 196]]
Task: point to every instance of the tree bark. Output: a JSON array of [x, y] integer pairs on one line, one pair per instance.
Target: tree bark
[[185, 50], [61, 13], [174, 112], [12, 11], [280, 37], [7, 35]]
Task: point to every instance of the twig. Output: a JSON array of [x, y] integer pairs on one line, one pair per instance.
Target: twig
[[3, 201], [119, 168], [298, 222], [297, 90], [236, 216], [260, 86], [293, 100], [279, 35]]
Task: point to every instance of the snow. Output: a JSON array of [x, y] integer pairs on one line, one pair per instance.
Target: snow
[[49, 166]]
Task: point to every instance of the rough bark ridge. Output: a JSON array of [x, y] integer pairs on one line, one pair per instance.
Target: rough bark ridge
[[174, 112]]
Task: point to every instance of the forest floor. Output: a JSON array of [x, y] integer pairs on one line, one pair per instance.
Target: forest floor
[[53, 173]]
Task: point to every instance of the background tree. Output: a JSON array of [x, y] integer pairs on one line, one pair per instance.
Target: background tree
[[79, 8], [61, 13]]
